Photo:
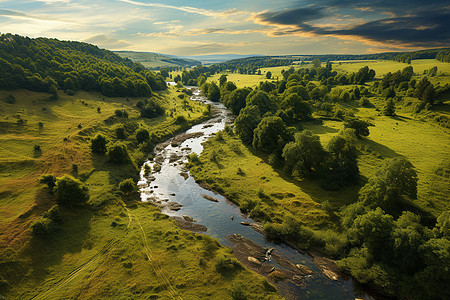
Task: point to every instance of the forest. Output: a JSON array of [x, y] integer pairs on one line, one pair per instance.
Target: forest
[[384, 238]]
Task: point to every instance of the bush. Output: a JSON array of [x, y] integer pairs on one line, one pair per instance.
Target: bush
[[43, 227], [194, 159], [152, 109], [180, 120], [70, 191], [127, 186], [120, 132], [121, 113], [98, 144], [142, 135], [49, 180], [118, 154], [54, 214], [226, 265], [237, 292]]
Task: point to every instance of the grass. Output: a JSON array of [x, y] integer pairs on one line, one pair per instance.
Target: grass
[[243, 177], [146, 255]]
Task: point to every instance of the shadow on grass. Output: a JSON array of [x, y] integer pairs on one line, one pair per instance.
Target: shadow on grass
[[48, 251], [116, 172], [380, 149], [321, 129]]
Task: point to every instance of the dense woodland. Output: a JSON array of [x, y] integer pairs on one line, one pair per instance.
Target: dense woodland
[[387, 242], [47, 65]]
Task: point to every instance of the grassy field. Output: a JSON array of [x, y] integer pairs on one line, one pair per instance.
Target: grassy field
[[413, 136], [144, 255]]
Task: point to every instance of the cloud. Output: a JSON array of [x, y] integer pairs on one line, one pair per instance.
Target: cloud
[[107, 42], [193, 10], [13, 14], [421, 27]]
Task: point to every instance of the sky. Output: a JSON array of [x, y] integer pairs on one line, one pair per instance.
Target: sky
[[276, 27]]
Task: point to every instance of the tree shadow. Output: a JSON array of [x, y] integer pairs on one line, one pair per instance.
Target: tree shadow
[[49, 250], [321, 129], [380, 149]]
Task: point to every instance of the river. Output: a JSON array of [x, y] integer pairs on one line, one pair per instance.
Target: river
[[223, 219]]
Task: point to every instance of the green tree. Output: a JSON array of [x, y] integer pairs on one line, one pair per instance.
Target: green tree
[[262, 100], [343, 162], [373, 230], [389, 108], [142, 135], [270, 135], [222, 80], [127, 186], [49, 180], [118, 154], [301, 109], [316, 63], [70, 191], [246, 122], [98, 144], [305, 155], [213, 92], [361, 127], [395, 180], [236, 100], [268, 75], [120, 132]]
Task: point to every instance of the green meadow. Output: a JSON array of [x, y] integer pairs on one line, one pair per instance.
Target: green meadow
[[115, 247]]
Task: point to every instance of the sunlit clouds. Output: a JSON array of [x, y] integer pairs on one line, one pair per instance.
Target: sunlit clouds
[[241, 27]]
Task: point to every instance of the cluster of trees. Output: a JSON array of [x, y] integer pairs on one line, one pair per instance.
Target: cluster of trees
[[383, 232], [48, 65]]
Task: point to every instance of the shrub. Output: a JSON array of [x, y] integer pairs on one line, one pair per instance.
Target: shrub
[[49, 180], [147, 170], [180, 120], [54, 213], [118, 154], [70, 191], [142, 135], [43, 227], [226, 265], [120, 132], [237, 292], [152, 109], [194, 159], [156, 167], [98, 144], [127, 186]]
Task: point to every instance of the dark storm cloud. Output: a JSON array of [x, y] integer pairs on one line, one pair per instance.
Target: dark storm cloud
[[412, 23], [295, 16]]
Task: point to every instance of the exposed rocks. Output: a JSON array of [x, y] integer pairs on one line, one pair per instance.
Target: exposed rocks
[[254, 261], [328, 267], [245, 223], [210, 198], [184, 175], [304, 269], [173, 205], [188, 218], [187, 225]]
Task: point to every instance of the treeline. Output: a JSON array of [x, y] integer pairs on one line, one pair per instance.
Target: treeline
[[47, 65], [250, 65]]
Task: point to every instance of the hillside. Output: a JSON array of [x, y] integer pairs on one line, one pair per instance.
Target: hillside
[[71, 223], [158, 61], [45, 65]]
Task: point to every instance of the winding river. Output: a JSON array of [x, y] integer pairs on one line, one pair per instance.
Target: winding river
[[179, 195]]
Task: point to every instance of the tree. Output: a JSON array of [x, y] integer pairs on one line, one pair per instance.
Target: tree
[[316, 63], [98, 144], [120, 132], [389, 108], [305, 155], [407, 237], [360, 126], [343, 162], [49, 180], [236, 100], [268, 75], [373, 230], [270, 134], [152, 109], [213, 92], [118, 154], [395, 180], [70, 191], [142, 135], [246, 122], [301, 109], [127, 186], [222, 80], [262, 100]]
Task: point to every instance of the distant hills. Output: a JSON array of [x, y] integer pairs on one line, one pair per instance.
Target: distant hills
[[157, 61]]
